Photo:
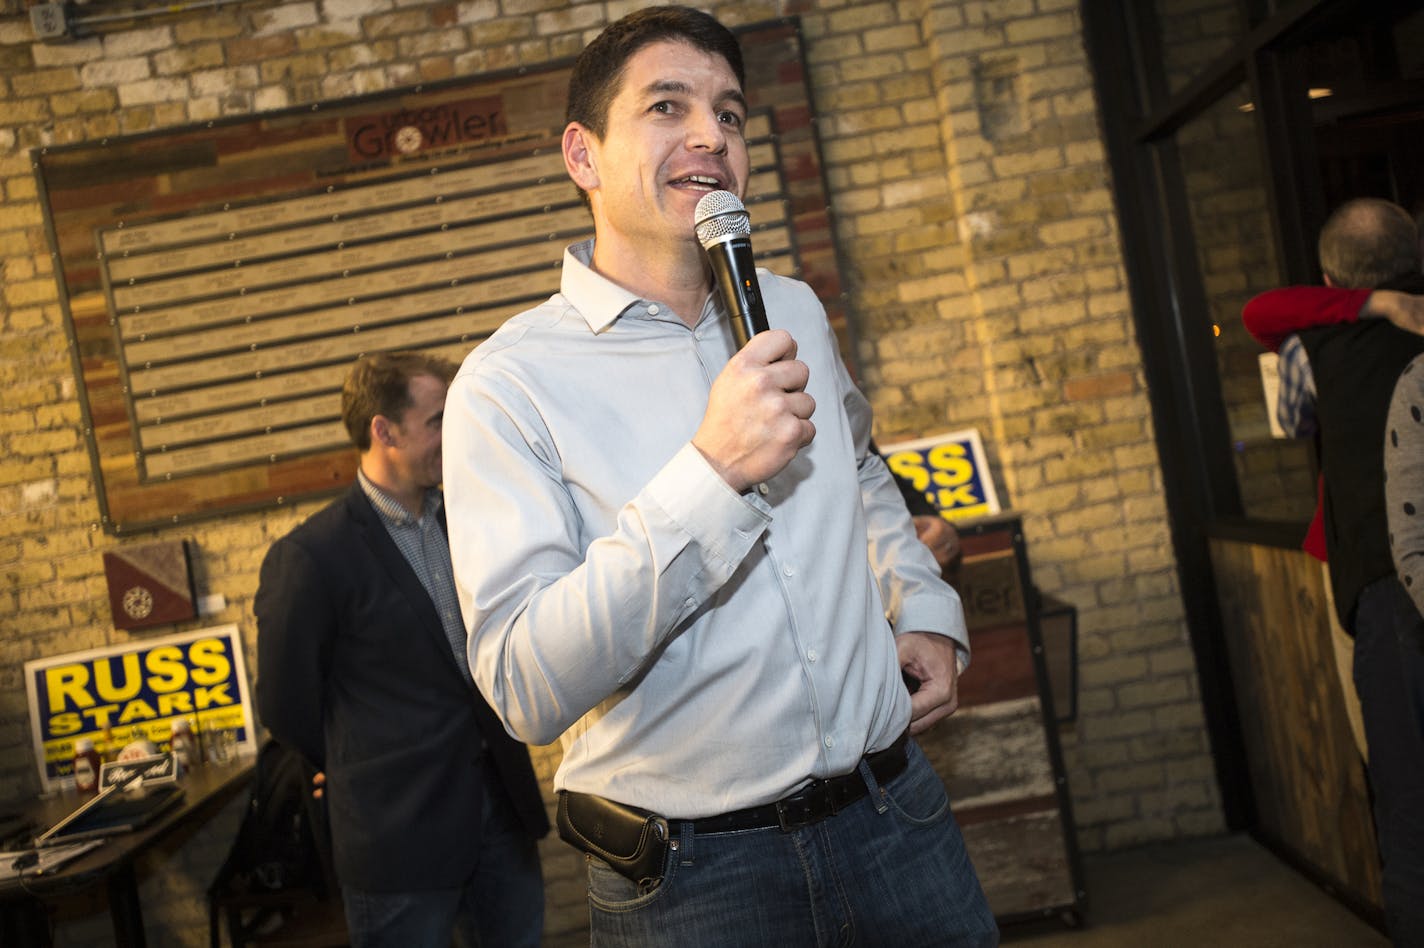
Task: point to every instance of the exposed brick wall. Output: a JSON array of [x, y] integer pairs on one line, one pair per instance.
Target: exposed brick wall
[[988, 275], [984, 277]]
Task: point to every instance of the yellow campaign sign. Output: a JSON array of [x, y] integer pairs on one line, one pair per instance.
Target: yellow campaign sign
[[135, 691], [950, 470]]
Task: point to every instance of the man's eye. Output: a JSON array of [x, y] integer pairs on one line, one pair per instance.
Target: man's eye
[[662, 107], [731, 118]]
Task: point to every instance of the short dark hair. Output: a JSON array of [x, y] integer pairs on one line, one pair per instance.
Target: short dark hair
[[598, 72], [1367, 242], [380, 385]]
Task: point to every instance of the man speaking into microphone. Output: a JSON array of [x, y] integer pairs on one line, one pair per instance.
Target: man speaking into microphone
[[677, 555]]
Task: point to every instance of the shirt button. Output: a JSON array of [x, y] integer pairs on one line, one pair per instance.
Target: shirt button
[[830, 742], [789, 570], [812, 655], [763, 489], [653, 310]]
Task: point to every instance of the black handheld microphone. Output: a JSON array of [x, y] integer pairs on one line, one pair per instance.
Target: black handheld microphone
[[724, 229]]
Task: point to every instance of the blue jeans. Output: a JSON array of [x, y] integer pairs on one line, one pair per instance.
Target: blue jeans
[[501, 905], [889, 870], [1389, 679]]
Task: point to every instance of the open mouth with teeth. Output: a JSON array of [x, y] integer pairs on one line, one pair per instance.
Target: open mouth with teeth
[[697, 182]]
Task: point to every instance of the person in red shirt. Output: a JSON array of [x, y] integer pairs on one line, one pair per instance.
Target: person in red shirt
[[1275, 315]]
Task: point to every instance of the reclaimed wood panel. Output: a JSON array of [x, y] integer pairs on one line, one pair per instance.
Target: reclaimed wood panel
[[1002, 669], [1022, 864], [990, 754], [1307, 775], [998, 754]]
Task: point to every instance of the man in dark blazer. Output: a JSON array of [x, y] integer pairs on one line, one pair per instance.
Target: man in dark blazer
[[435, 811]]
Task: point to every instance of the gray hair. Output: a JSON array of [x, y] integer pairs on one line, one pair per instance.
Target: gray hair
[[1367, 242]]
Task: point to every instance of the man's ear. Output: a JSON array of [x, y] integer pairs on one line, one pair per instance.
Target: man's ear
[[381, 431], [579, 147]]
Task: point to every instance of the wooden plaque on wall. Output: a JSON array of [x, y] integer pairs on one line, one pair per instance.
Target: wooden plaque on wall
[[219, 279], [150, 584]]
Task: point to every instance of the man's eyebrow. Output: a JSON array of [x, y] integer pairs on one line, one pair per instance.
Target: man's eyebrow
[[668, 85], [736, 96]]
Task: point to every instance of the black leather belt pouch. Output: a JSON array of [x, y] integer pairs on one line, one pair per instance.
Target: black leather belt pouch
[[633, 842]]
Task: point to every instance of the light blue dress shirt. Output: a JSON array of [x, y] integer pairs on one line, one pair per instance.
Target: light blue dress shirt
[[698, 650]]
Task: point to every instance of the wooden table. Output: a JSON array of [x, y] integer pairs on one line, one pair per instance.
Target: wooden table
[[205, 788]]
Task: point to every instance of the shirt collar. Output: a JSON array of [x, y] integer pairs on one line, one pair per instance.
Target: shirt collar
[[391, 510], [599, 300]]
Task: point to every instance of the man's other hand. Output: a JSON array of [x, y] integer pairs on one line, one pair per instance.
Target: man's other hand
[[933, 661], [758, 413]]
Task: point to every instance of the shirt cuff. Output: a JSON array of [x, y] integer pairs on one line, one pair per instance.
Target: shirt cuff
[[937, 616], [693, 495]]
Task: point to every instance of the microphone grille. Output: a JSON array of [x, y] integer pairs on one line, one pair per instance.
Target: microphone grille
[[721, 214]]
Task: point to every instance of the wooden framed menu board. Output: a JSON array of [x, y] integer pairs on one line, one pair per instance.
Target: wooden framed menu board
[[219, 279]]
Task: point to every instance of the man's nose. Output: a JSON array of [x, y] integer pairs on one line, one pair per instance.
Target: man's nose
[[706, 132]]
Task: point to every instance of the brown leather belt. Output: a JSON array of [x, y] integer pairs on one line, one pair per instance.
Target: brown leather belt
[[813, 802]]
